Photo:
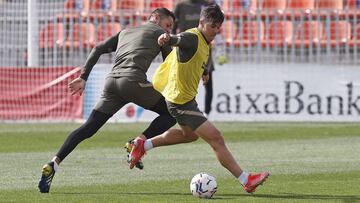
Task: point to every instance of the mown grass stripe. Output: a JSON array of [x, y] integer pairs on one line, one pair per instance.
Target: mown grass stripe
[[107, 165]]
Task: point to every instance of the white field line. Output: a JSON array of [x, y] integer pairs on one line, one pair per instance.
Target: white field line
[[99, 166]]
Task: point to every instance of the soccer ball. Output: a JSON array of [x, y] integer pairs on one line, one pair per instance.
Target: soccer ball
[[203, 185]]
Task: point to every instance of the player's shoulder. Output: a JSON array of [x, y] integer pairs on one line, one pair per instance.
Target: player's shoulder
[[152, 25], [189, 34], [183, 4], [192, 32], [149, 27], [188, 38]]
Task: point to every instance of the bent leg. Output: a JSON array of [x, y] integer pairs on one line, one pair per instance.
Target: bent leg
[[174, 136], [189, 117], [95, 121], [161, 123], [108, 104], [143, 94], [212, 135]]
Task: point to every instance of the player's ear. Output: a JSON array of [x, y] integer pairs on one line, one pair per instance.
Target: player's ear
[[157, 17], [201, 23]]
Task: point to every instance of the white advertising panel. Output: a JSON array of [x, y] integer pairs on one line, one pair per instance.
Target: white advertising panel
[[263, 92], [295, 92]]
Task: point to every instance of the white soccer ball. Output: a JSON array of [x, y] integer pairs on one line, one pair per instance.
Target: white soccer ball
[[203, 185]]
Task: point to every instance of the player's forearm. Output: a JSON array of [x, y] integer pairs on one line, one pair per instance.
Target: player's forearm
[[184, 40], [174, 40], [90, 63]]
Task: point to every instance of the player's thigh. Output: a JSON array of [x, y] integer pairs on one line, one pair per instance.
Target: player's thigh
[[187, 114], [109, 101], [141, 93], [188, 132]]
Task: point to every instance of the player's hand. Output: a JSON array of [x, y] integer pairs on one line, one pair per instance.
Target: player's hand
[[163, 39], [205, 79], [77, 86]]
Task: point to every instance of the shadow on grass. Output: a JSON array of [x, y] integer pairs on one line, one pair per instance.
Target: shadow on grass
[[289, 196]]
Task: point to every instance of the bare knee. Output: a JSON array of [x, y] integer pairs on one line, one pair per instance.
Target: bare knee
[[193, 137], [190, 137], [217, 140]]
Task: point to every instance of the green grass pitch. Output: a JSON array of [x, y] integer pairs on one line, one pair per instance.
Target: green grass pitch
[[309, 162]]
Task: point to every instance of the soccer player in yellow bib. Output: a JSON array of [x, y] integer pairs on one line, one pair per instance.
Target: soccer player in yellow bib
[[177, 79]]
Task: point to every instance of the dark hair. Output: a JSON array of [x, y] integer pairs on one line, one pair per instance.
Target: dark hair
[[212, 13], [163, 12]]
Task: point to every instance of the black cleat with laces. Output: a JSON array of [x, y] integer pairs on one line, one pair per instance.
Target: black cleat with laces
[[47, 175]]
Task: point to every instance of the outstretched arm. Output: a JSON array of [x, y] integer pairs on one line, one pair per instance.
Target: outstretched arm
[[77, 86], [187, 43], [106, 46], [184, 40]]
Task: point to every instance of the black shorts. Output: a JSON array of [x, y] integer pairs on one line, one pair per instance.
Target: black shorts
[[120, 91], [187, 114]]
